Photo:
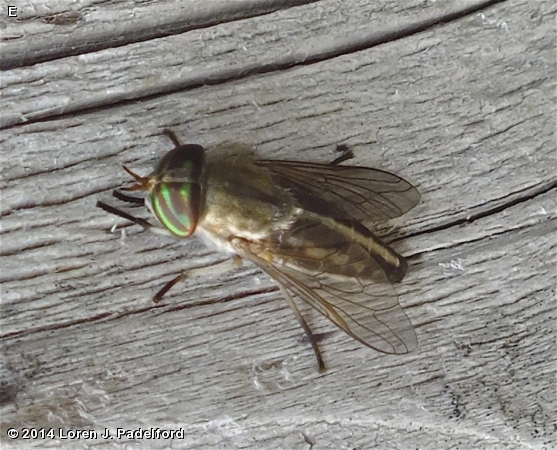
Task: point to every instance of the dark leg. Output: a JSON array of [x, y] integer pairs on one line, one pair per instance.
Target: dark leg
[[124, 215], [168, 132], [128, 198], [147, 226], [159, 295], [346, 154], [307, 329], [242, 247]]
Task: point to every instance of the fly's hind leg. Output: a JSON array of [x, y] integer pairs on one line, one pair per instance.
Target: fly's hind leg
[[346, 154], [307, 329]]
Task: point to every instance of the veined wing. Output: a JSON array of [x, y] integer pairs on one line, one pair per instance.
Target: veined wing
[[361, 193], [340, 278]]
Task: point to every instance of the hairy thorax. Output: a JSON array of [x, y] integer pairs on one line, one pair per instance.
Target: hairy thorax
[[240, 200]]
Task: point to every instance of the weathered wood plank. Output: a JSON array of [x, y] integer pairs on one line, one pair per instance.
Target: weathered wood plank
[[203, 56], [37, 32], [466, 111]]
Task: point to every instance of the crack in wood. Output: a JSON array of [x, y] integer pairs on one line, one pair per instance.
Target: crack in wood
[[114, 316], [513, 199]]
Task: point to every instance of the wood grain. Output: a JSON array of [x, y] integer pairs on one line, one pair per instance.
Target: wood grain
[[466, 110]]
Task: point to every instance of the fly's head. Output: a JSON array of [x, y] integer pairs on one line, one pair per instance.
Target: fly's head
[[174, 189]]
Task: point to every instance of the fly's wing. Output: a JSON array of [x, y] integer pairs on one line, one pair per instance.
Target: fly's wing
[[339, 278], [361, 193]]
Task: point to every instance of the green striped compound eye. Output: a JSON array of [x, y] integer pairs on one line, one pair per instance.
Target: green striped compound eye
[[176, 205], [185, 161], [176, 192]]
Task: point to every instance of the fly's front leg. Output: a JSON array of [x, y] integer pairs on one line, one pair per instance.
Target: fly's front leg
[[145, 224], [136, 201]]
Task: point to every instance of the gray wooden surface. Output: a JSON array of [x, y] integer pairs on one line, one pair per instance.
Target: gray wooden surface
[[465, 109]]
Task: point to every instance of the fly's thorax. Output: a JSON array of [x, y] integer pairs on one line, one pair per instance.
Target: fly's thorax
[[241, 200], [177, 189]]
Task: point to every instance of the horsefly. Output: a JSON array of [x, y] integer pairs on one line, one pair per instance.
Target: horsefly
[[300, 222]]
